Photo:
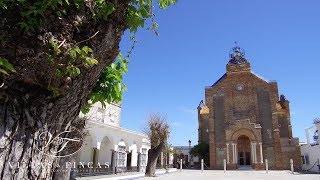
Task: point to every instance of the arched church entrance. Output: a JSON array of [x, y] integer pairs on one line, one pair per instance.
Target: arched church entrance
[[244, 151], [244, 146]]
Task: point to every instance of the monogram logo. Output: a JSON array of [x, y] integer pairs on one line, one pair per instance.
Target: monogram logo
[[59, 144]]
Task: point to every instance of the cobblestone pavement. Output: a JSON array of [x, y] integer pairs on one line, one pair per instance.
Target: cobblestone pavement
[[236, 175]]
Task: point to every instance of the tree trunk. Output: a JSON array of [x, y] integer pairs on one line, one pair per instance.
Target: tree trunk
[[153, 155], [27, 106]]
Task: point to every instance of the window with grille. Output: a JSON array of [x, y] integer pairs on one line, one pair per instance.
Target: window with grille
[[144, 157], [121, 156]]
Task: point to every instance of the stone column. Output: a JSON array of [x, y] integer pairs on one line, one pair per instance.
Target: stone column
[[255, 152], [233, 152], [132, 157], [252, 155], [161, 160], [126, 160], [95, 157], [139, 162], [228, 160], [114, 158], [230, 153], [261, 154], [236, 153]]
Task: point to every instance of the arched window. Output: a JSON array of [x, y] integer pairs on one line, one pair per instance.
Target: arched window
[[121, 156]]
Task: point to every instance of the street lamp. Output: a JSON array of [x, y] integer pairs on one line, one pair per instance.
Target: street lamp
[[189, 152]]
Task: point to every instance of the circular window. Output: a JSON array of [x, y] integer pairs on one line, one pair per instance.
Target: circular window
[[240, 87]]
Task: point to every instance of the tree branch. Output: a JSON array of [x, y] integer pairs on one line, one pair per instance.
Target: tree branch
[[88, 38]]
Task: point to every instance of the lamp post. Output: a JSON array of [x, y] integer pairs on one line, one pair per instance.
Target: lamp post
[[189, 152]]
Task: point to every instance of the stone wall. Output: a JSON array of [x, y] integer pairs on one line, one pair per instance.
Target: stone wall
[[204, 128], [219, 122], [241, 100]]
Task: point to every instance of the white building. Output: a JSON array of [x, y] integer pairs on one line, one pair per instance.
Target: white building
[[310, 152], [107, 147], [183, 153]]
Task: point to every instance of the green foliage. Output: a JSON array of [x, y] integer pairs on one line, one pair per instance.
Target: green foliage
[[32, 12], [72, 71], [55, 47], [165, 3], [82, 55], [5, 66], [67, 63], [110, 85], [103, 10], [139, 11], [77, 57], [201, 150]]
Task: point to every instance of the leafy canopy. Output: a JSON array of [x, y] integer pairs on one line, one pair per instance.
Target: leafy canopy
[[110, 85], [201, 150]]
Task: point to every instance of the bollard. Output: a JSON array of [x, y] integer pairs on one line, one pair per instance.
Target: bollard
[[225, 165], [167, 169], [291, 165], [180, 164], [201, 165], [267, 165]]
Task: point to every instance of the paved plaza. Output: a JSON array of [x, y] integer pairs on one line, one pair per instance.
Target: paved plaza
[[235, 175], [211, 175]]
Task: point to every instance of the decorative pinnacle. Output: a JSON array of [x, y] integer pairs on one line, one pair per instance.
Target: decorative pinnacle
[[237, 54]]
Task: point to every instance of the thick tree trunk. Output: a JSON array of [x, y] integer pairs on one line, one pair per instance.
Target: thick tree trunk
[[27, 106], [153, 155], [22, 119]]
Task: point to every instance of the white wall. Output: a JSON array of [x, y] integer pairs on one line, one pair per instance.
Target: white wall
[[134, 157], [105, 152], [86, 150], [313, 152], [314, 155], [185, 150], [107, 138], [109, 115]]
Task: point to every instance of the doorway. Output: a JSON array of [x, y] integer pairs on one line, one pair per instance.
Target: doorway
[[129, 161], [244, 151]]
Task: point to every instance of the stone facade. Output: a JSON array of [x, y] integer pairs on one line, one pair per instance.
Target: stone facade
[[245, 121]]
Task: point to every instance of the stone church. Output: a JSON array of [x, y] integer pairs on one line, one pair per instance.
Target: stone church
[[245, 121]]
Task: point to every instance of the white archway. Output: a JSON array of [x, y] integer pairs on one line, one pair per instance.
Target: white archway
[[105, 152], [86, 150], [134, 155]]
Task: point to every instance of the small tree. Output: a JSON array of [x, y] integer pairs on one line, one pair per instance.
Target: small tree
[[158, 132], [201, 150]]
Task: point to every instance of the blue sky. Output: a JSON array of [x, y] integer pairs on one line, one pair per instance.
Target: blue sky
[[168, 73]]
